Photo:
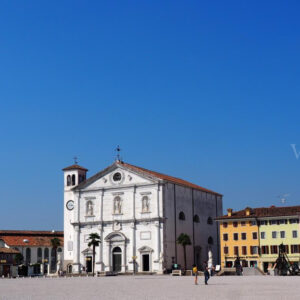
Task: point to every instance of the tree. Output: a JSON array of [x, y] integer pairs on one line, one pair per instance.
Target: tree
[[184, 240], [94, 241], [55, 243]]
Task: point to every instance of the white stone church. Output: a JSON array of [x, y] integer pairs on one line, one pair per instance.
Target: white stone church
[[138, 214]]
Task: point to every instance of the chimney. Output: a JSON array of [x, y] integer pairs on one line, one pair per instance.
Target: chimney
[[229, 212]]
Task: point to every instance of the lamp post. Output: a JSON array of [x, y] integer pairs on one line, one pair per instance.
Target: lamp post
[[133, 261]]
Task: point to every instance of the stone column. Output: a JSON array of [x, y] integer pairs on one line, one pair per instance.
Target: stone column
[[108, 259], [42, 264], [158, 248], [76, 249], [48, 266], [101, 233], [133, 225], [124, 257]]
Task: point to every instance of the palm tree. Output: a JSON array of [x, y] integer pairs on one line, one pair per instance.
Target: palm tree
[[94, 240], [184, 240], [55, 243]]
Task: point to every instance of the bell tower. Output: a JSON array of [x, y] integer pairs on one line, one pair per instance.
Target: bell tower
[[73, 175]]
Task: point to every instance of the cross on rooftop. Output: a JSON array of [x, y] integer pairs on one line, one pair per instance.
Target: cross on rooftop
[[118, 149]]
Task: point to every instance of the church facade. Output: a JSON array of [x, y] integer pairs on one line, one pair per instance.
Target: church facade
[[138, 215]]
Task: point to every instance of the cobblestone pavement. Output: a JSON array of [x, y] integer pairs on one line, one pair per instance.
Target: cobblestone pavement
[[151, 287]]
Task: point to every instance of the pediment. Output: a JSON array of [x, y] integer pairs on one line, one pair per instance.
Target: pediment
[[115, 237], [87, 251], [115, 176], [145, 249]]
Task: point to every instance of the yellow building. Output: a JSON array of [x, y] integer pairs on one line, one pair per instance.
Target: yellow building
[[239, 238], [254, 235]]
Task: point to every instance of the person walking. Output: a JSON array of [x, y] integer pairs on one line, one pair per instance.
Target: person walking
[[195, 273], [206, 275]]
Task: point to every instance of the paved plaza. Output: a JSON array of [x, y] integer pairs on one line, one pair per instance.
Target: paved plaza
[[151, 287]]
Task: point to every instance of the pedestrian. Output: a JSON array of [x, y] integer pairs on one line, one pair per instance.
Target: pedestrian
[[195, 273], [206, 275]]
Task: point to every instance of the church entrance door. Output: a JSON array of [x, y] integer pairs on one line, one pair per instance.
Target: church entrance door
[[89, 264], [117, 259], [146, 263]]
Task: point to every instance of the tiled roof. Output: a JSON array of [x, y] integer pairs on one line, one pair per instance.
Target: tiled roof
[[262, 212], [167, 178], [146, 172], [75, 167], [8, 250], [14, 238]]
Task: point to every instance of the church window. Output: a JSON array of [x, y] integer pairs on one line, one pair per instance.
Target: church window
[[81, 178], [117, 205], [196, 219], [210, 241], [181, 216], [89, 208], [46, 254], [73, 180], [117, 176], [209, 221], [39, 255], [145, 204], [53, 260], [28, 255], [68, 180]]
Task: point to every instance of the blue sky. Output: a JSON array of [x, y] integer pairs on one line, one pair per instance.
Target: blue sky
[[203, 90]]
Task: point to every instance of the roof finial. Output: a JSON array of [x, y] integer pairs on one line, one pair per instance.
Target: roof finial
[[75, 160], [118, 149]]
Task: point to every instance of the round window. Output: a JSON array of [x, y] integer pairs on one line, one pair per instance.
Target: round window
[[117, 176]]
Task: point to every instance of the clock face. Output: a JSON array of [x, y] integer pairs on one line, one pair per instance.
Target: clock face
[[70, 205]]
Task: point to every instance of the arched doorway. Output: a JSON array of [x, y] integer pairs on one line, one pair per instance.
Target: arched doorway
[[117, 259]]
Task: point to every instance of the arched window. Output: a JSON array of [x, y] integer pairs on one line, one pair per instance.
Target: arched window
[[73, 179], [209, 221], [28, 255], [68, 180], [46, 254], [117, 250], [196, 219], [181, 216], [59, 250], [210, 241], [39, 255], [89, 208]]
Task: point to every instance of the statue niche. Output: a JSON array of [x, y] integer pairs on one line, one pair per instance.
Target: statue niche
[[145, 204], [89, 208], [117, 205]]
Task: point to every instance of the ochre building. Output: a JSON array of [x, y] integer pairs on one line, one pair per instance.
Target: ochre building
[[254, 235]]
